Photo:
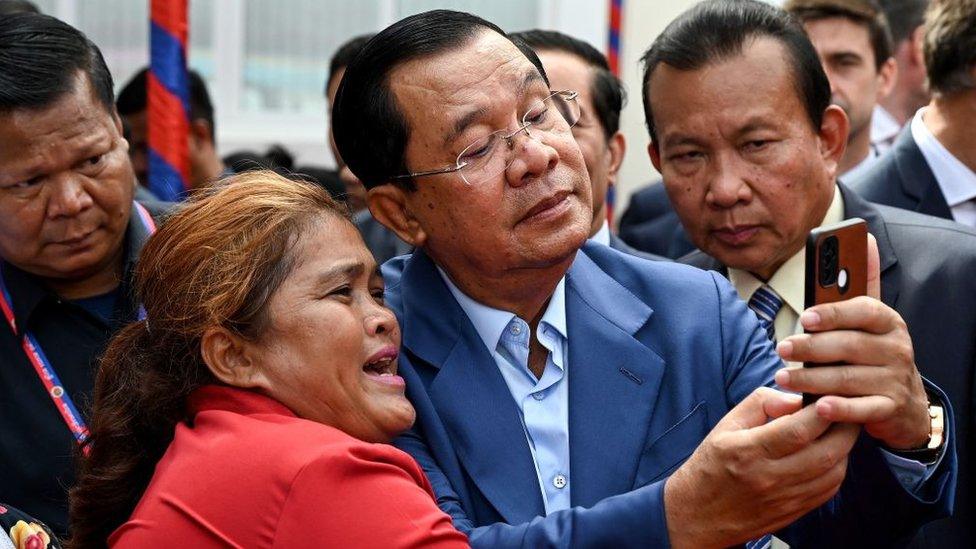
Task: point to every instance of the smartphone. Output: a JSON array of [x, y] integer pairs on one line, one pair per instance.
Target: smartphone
[[836, 269]]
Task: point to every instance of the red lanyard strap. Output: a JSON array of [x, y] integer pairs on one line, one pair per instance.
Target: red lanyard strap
[[43, 367]]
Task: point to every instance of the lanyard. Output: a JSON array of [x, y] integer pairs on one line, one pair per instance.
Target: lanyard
[[44, 368]]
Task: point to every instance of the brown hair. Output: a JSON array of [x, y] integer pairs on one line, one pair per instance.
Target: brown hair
[[950, 45], [866, 13], [216, 262]]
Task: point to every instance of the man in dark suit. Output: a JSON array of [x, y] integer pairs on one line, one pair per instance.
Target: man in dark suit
[[572, 64], [650, 224], [754, 170], [932, 167], [560, 390]]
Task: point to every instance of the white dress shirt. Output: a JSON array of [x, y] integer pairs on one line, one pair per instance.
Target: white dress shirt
[[957, 181], [884, 129]]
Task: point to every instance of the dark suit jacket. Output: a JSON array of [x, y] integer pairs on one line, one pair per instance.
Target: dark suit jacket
[[928, 275], [903, 179], [651, 225], [383, 243], [617, 244], [658, 353]]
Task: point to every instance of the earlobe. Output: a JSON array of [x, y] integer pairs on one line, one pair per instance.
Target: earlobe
[[388, 204], [228, 358]]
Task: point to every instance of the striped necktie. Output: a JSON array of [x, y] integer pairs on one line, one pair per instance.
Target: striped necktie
[[766, 304], [762, 543]]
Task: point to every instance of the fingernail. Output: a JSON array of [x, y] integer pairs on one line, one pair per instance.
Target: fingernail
[[810, 319], [785, 348], [782, 377], [824, 409]]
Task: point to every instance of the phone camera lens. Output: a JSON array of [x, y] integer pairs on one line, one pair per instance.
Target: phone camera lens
[[828, 261]]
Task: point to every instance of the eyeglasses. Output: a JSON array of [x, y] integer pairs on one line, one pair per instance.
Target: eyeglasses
[[486, 157]]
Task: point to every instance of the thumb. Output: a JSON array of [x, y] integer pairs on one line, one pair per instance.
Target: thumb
[[759, 407], [874, 268]]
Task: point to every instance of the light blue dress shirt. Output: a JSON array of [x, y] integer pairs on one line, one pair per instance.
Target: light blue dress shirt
[[543, 403]]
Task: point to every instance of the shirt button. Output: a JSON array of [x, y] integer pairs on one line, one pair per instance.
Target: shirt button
[[539, 396], [559, 481], [516, 329]]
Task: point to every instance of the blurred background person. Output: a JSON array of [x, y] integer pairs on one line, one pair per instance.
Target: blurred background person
[[572, 64], [854, 44], [256, 400], [908, 94], [9, 7], [382, 242], [355, 191], [205, 164], [932, 167], [70, 234]]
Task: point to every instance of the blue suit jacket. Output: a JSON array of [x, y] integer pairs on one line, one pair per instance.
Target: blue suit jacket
[[658, 353]]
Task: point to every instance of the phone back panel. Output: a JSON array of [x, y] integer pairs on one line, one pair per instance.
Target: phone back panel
[[852, 241]]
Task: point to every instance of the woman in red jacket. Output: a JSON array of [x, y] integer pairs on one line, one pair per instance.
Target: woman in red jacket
[[253, 405]]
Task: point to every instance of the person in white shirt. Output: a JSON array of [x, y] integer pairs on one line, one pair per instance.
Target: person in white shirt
[[932, 167], [854, 44]]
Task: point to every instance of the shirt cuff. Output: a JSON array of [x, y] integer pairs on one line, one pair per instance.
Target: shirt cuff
[[911, 474]]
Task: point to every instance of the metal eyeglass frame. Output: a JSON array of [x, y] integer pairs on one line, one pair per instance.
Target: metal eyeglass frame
[[524, 127]]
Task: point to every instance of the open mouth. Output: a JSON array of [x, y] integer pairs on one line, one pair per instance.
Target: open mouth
[[382, 367]]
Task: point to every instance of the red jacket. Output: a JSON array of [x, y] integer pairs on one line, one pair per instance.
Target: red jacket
[[248, 473]]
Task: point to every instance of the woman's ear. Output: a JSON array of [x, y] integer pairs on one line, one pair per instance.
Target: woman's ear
[[388, 204], [229, 357]]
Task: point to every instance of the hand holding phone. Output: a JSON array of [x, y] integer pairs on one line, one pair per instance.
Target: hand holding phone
[[836, 268]]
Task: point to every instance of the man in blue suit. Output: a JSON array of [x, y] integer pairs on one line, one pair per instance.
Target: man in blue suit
[[583, 397]]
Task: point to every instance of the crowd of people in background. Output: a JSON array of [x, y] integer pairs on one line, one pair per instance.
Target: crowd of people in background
[[442, 342]]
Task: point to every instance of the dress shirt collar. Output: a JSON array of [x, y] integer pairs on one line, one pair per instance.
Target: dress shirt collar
[[957, 181], [788, 280], [490, 323], [884, 127], [603, 235]]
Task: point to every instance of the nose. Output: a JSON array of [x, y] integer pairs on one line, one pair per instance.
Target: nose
[[727, 187], [380, 321], [531, 157], [68, 198]]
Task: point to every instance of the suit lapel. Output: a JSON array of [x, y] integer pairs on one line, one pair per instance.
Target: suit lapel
[[470, 394], [613, 382], [917, 179], [855, 206]]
